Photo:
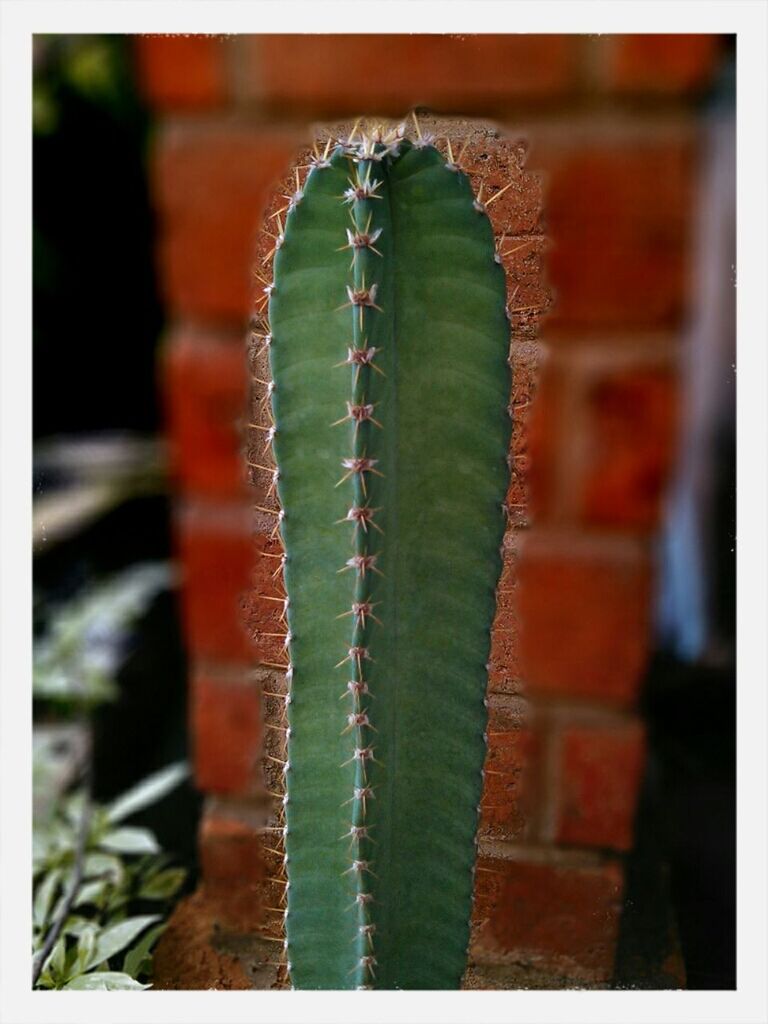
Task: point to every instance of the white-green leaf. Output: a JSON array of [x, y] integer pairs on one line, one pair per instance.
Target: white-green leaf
[[147, 792], [116, 938], [135, 958], [92, 892], [163, 885], [109, 981], [75, 925], [104, 864], [86, 946], [130, 840], [44, 896]]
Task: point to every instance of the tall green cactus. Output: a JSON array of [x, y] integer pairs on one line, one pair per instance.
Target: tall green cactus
[[389, 348]]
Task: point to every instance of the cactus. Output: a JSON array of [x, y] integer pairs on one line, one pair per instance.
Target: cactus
[[388, 345]]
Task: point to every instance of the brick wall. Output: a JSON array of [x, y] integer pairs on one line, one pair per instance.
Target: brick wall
[[612, 126]]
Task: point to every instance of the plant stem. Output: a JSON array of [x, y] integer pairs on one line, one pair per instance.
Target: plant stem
[[38, 961]]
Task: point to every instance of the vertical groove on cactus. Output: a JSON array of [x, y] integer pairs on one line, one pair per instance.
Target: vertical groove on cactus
[[389, 357]]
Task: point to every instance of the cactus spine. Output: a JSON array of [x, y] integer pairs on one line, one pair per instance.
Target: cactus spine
[[389, 343]]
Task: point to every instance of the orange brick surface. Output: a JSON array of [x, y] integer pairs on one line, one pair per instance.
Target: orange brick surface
[[661, 63], [182, 72], [232, 865], [599, 774], [217, 560], [563, 915], [225, 722], [584, 623], [618, 214], [631, 433], [211, 184], [389, 74], [205, 386]]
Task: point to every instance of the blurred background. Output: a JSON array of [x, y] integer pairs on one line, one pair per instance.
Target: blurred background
[[154, 158]]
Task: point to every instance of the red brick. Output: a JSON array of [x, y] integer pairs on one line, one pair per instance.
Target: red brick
[[599, 774], [660, 63], [232, 866], [211, 184], [509, 790], [542, 426], [631, 438], [226, 730], [219, 562], [584, 621], [344, 74], [618, 218], [205, 384], [559, 917], [181, 72]]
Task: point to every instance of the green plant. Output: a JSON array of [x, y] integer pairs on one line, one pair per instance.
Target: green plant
[[390, 392], [77, 658], [90, 871]]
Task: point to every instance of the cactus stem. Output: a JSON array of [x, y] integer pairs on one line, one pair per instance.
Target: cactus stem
[[357, 832], [359, 414], [359, 867], [355, 655], [361, 794], [361, 515], [450, 163], [357, 719], [367, 962], [361, 297], [361, 610], [321, 161], [361, 189], [360, 465], [358, 357], [361, 754], [361, 563], [356, 687]]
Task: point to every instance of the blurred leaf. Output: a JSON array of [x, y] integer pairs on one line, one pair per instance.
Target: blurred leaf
[[113, 940], [44, 896], [91, 69], [45, 110], [147, 792], [93, 892], [109, 981], [163, 885], [138, 960], [130, 840], [104, 864], [75, 925], [86, 947], [81, 651]]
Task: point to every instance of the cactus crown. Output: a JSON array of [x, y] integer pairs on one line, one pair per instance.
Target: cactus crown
[[388, 341]]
